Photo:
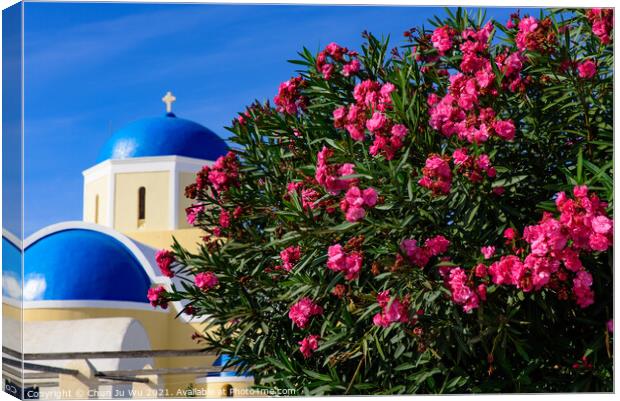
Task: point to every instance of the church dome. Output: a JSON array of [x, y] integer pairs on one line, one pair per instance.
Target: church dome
[[82, 264], [163, 136]]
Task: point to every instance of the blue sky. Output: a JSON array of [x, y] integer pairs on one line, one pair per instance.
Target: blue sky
[[92, 68]]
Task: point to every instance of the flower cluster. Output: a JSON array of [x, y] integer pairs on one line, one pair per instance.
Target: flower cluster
[[511, 65], [223, 175], [308, 196], [164, 259], [290, 256], [536, 35], [308, 345], [421, 255], [340, 261], [586, 220], [338, 56], [442, 39], [330, 175], [473, 167], [602, 20], [206, 281], [355, 201], [437, 175], [459, 112], [393, 310], [157, 297], [461, 292], [368, 113], [289, 98], [555, 246], [303, 311]]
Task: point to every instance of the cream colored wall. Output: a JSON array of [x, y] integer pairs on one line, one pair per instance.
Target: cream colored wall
[[164, 331], [185, 179], [91, 190], [157, 186], [218, 389], [189, 238]]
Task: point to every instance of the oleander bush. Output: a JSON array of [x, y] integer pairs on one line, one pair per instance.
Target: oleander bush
[[429, 218]]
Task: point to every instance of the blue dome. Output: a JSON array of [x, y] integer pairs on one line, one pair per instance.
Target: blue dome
[[82, 264], [163, 136]]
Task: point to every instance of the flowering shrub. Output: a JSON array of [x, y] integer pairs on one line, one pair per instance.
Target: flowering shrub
[[434, 218]]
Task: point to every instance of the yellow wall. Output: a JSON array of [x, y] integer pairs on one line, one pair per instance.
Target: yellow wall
[[188, 238], [185, 179], [91, 190], [164, 331], [157, 201]]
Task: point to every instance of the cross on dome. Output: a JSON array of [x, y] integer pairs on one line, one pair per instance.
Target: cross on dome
[[168, 99]]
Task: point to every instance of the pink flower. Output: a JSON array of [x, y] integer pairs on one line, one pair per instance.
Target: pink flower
[[610, 325], [340, 115], [303, 311], [351, 68], [480, 271], [356, 200], [462, 294], [224, 219], [157, 297], [206, 281], [602, 20], [508, 270], [399, 131], [193, 212], [488, 251], [437, 175], [329, 176], [376, 123], [223, 175], [164, 259], [308, 345], [348, 263], [571, 260], [420, 255], [327, 71], [437, 245], [442, 39], [602, 225], [393, 310], [581, 289], [290, 256], [510, 233], [527, 26], [460, 156], [289, 99], [587, 69], [505, 129]]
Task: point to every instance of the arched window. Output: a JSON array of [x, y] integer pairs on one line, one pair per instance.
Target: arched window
[[96, 209], [141, 205]]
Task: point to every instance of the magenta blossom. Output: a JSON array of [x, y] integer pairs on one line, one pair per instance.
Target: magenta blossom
[[356, 201], [393, 310], [587, 69], [302, 311], [308, 345], [164, 259], [157, 297], [488, 251], [206, 281], [290, 256], [348, 263]]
